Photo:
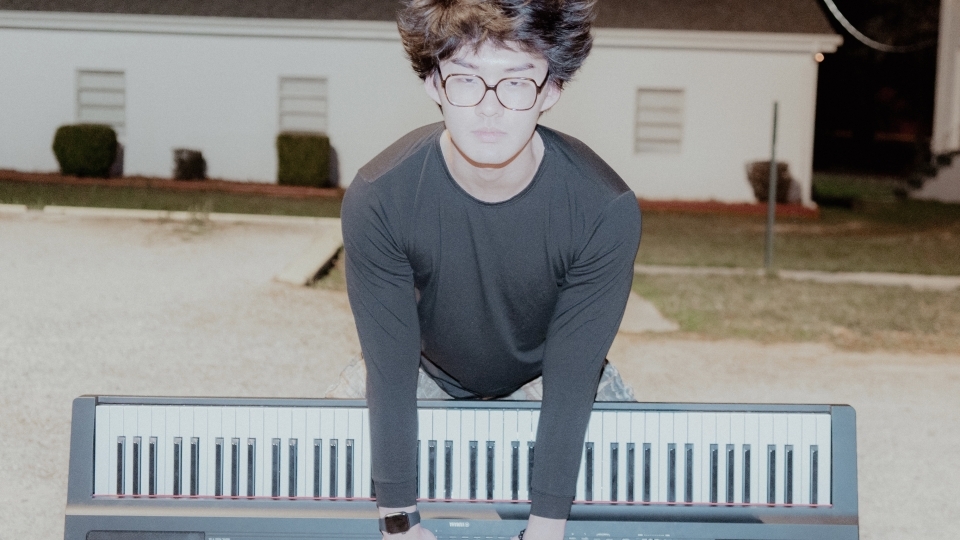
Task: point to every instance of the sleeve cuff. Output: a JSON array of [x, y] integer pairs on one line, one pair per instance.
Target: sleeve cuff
[[396, 495], [548, 506]]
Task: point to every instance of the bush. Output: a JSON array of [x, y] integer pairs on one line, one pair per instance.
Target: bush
[[758, 174], [85, 149], [189, 165], [303, 159]]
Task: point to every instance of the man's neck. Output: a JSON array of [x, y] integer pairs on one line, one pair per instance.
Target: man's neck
[[493, 183]]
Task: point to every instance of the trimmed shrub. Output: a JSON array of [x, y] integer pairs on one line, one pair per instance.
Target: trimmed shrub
[[303, 159], [758, 174], [85, 149], [189, 165]]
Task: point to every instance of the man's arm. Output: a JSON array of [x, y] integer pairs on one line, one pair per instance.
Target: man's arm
[[381, 291], [587, 316]]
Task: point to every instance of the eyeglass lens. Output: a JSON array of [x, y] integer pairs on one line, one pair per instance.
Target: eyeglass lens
[[513, 93]]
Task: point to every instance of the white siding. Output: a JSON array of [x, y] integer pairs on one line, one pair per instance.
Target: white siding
[[303, 104], [659, 121], [101, 99]]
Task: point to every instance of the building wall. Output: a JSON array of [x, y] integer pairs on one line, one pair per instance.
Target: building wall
[[216, 94], [187, 86], [727, 121]]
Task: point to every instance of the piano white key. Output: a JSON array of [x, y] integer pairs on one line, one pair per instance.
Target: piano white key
[[707, 474], [482, 427], [824, 441], [751, 437], [680, 420], [208, 449], [312, 474], [438, 434], [284, 432], [228, 430], [525, 435], [594, 435], [165, 470], [738, 439], [462, 448], [534, 426], [204, 448], [809, 438], [616, 430], [263, 421], [666, 437], [425, 429], [511, 441], [701, 451], [723, 439], [355, 433], [102, 448], [242, 434], [115, 427], [500, 444], [364, 455], [341, 432], [144, 430], [780, 439], [298, 431], [652, 437], [768, 484], [795, 438], [637, 434], [130, 430], [327, 433]]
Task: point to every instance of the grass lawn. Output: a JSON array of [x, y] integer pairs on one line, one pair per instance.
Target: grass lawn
[[879, 234], [765, 309], [40, 195]]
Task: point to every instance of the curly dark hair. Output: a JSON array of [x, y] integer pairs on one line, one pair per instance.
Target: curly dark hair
[[557, 30]]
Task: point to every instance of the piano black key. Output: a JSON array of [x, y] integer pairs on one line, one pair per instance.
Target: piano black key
[[730, 472], [235, 467], [491, 447], [251, 467], [671, 472], [515, 470], [317, 450], [275, 467], [448, 469], [714, 466], [348, 481], [746, 474], [194, 466], [814, 472], [292, 468], [771, 473], [121, 446], [473, 470], [614, 464], [588, 471], [646, 472], [152, 466], [688, 473], [177, 466], [431, 469], [530, 448], [135, 466], [218, 467], [631, 469], [334, 443], [788, 474]]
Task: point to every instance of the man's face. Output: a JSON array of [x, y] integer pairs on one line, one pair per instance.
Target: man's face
[[488, 134]]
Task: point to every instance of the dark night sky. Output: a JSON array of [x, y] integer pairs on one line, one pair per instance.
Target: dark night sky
[[875, 109]]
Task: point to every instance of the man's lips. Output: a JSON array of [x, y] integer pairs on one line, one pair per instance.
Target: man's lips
[[489, 135]]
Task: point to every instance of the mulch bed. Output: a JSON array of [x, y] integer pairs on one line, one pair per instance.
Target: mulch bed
[[299, 192], [223, 186]]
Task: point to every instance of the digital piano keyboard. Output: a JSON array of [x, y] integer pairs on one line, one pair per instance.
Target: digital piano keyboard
[[278, 469]]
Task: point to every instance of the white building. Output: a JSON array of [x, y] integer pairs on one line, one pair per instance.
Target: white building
[[946, 120], [677, 95]]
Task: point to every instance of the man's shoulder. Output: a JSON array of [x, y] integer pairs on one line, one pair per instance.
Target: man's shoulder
[[398, 153], [585, 169]]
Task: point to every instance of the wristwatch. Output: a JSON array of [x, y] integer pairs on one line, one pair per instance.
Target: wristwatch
[[399, 522]]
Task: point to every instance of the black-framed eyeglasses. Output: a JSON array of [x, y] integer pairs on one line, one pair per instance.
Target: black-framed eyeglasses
[[514, 93]]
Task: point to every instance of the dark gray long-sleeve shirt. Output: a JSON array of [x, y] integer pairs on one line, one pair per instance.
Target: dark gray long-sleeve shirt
[[494, 294]]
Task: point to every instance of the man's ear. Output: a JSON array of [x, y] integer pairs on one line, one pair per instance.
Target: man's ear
[[552, 92], [432, 86]]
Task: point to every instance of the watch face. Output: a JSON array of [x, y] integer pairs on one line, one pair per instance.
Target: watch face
[[396, 523]]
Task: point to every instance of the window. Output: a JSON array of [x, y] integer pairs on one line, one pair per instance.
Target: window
[[659, 121], [303, 104], [101, 99]]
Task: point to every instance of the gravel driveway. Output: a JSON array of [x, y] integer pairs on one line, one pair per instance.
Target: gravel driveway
[[100, 306]]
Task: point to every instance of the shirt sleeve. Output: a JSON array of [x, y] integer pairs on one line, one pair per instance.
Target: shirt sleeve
[[381, 292], [592, 300]]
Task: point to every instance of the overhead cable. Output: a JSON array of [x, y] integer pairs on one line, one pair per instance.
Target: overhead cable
[[872, 43]]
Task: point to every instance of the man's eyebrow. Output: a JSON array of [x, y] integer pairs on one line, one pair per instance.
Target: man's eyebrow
[[524, 67], [515, 69], [464, 63]]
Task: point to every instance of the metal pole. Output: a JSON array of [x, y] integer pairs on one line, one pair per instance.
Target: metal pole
[[772, 196]]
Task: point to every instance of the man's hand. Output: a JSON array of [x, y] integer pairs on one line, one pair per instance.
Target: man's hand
[[417, 532], [541, 528]]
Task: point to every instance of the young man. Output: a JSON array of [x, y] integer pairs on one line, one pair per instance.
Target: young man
[[486, 252]]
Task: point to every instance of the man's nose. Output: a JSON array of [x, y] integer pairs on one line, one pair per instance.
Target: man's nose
[[490, 104]]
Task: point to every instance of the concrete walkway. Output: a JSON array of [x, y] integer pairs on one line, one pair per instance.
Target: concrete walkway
[[915, 281]]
